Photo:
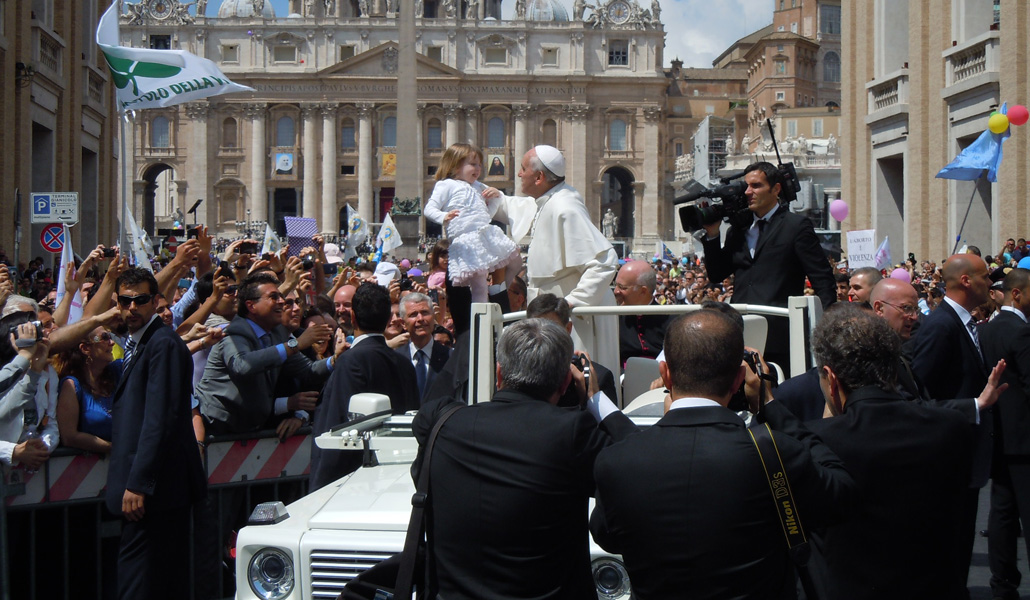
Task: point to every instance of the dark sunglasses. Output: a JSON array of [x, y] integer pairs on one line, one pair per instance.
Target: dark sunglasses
[[103, 337], [140, 300]]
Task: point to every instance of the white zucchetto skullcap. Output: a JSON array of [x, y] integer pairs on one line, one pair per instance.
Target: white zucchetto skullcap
[[551, 158]]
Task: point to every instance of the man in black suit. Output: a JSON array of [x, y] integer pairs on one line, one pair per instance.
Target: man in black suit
[[427, 356], [237, 390], [911, 461], [511, 478], [947, 359], [769, 252], [155, 475], [687, 502], [639, 335], [368, 366], [1007, 338]]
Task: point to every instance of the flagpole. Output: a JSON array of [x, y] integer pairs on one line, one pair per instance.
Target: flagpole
[[123, 238], [958, 239]]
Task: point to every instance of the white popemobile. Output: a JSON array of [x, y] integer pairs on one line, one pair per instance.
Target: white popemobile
[[313, 547]]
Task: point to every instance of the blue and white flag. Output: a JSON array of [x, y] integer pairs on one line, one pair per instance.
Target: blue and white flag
[[984, 153], [271, 243], [357, 232], [388, 237]]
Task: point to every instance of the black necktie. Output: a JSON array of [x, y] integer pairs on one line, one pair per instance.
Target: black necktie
[[420, 371]]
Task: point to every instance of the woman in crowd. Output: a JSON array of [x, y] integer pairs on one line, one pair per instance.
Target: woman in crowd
[[89, 374]]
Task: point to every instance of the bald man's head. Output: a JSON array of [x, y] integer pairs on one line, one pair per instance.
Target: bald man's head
[[635, 284], [897, 303], [966, 280]]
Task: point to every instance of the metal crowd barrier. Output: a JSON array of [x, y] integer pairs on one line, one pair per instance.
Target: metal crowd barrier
[[57, 540]]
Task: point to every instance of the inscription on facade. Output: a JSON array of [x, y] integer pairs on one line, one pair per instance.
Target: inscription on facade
[[428, 88]]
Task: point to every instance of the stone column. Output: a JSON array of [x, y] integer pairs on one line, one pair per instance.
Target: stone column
[[471, 122], [407, 178], [451, 113], [651, 205], [258, 162], [365, 200], [310, 113], [521, 112], [197, 166], [330, 212], [576, 154], [420, 163]]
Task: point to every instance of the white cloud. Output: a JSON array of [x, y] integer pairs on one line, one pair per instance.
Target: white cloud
[[696, 31]]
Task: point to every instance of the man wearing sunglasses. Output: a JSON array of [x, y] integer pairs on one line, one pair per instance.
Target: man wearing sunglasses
[[155, 475]]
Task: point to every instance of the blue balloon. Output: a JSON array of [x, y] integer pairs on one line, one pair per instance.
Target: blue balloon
[[1024, 263]]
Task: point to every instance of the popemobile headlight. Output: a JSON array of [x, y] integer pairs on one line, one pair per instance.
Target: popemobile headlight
[[610, 579], [271, 574]]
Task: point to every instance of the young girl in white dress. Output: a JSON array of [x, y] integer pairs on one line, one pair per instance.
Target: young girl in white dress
[[463, 204]]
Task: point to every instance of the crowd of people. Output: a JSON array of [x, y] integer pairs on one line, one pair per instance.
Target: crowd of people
[[144, 365]]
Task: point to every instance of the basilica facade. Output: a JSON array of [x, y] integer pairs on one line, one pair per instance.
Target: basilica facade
[[320, 132]]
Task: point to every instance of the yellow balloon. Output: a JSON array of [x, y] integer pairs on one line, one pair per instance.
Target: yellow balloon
[[998, 123]]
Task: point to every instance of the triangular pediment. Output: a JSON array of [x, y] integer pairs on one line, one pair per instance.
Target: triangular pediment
[[382, 60]]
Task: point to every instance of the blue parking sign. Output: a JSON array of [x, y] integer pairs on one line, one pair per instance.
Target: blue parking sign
[[40, 204]]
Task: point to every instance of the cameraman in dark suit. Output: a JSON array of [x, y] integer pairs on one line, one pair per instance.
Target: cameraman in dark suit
[[769, 252], [155, 474]]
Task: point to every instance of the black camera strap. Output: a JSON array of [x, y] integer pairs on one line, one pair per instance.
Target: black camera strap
[[786, 506]]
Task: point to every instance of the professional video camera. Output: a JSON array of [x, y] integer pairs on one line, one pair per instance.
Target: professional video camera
[[708, 206]]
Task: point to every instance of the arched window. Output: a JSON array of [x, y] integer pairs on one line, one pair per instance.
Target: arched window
[[159, 132], [831, 67], [495, 133], [550, 132], [285, 132], [347, 134], [617, 135], [229, 133], [390, 131], [434, 139]]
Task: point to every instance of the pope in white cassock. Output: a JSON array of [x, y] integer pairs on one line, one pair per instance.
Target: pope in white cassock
[[568, 256]]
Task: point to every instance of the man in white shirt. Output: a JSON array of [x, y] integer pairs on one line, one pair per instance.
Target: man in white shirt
[[568, 256]]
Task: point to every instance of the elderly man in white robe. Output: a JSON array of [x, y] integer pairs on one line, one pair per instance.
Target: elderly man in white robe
[[568, 256]]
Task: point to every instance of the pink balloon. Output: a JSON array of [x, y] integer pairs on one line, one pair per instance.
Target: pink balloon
[[901, 274], [839, 209], [1018, 114]]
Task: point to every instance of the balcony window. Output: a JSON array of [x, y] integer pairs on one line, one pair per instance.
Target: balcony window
[[284, 54], [390, 132], [229, 133], [618, 53], [829, 19], [617, 135], [159, 132], [831, 67], [285, 132], [434, 136], [347, 135], [495, 133]]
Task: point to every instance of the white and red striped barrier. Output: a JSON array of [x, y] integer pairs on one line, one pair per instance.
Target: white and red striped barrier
[[84, 476]]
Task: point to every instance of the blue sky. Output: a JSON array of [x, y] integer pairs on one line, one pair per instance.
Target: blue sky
[[696, 30]]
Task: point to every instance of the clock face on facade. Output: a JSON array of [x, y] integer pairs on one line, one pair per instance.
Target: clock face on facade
[[618, 11], [160, 9]]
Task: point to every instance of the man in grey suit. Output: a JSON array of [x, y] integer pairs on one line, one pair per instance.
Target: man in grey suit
[[236, 393], [427, 356]]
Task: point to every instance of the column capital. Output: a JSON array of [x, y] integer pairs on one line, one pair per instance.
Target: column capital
[[310, 111], [577, 112], [198, 111], [521, 111], [365, 109], [652, 113], [420, 110], [471, 110], [254, 111], [452, 110], [329, 110]]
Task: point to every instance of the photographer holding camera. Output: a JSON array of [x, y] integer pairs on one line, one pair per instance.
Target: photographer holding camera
[[769, 252], [709, 527]]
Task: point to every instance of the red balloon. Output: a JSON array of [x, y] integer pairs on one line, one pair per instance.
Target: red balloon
[[1018, 114]]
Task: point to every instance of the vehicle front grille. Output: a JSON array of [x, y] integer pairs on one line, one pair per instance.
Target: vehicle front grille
[[332, 569]]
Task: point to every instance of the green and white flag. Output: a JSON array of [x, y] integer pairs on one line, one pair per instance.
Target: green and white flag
[[146, 78]]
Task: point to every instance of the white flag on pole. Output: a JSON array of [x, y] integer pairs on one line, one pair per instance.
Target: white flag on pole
[[883, 254], [68, 258], [271, 243], [357, 233], [146, 78], [140, 248], [388, 236]]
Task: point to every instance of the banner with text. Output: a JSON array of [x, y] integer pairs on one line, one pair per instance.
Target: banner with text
[[861, 248]]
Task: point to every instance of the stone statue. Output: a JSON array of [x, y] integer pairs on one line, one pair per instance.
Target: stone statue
[[745, 144], [472, 9], [656, 12], [520, 9], [610, 225], [831, 144], [802, 144], [309, 7], [578, 8], [329, 8], [362, 8], [201, 8], [731, 145], [419, 8], [259, 6]]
